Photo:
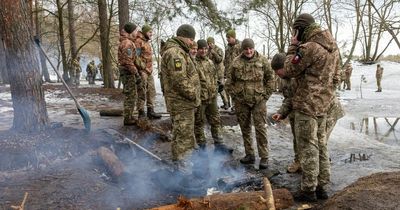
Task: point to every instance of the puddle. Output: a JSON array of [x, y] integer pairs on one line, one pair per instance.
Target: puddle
[[383, 129]]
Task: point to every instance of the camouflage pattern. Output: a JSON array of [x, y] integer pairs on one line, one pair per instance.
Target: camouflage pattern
[[348, 70], [216, 54], [91, 71], [250, 83], [315, 66], [100, 68], [312, 148], [76, 71], [378, 75], [342, 80], [316, 72], [231, 52], [127, 69], [146, 90], [335, 112], [208, 108], [181, 86]]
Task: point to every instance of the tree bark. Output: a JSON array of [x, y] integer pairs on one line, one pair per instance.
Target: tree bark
[[105, 47], [3, 67], [123, 13], [71, 29], [43, 65], [30, 113], [62, 40]]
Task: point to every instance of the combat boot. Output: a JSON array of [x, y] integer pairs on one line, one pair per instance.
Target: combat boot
[[321, 193], [130, 121], [152, 115], [248, 159], [219, 146], [263, 163], [141, 114], [305, 196]]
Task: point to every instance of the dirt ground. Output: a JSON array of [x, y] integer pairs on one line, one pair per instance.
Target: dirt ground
[[60, 169]]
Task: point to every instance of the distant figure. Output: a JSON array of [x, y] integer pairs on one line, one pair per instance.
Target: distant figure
[[342, 80], [348, 70], [76, 71], [379, 72], [91, 71]]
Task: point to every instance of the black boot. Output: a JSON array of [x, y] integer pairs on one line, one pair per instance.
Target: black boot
[[321, 193], [305, 196], [130, 121], [141, 114], [263, 163], [152, 115], [248, 159]]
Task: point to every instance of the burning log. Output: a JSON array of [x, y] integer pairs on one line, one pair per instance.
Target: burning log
[[111, 161], [243, 200]]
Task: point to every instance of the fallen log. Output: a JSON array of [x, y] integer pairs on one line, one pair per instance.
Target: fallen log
[[111, 112], [111, 161], [243, 200]]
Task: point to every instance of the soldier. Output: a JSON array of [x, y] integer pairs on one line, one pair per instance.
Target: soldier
[[312, 59], [146, 90], [288, 88], [193, 50], [342, 80], [378, 75], [348, 71], [250, 83], [76, 71], [208, 108], [91, 71], [128, 70], [216, 55], [181, 86], [231, 52]]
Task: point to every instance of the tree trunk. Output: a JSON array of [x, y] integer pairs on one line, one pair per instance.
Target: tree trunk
[[30, 113], [3, 67], [62, 40], [123, 13], [105, 47], [71, 29], [45, 71]]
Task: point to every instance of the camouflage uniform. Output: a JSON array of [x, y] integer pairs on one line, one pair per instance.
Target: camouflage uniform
[[378, 75], [182, 94], [76, 71], [314, 65], [216, 55], [335, 112], [91, 72], [128, 70], [231, 52], [146, 90], [250, 83], [208, 107], [100, 68], [342, 80], [348, 71]]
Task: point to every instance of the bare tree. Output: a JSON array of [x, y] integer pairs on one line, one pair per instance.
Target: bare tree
[[123, 13], [45, 71], [61, 37], [30, 113], [71, 29]]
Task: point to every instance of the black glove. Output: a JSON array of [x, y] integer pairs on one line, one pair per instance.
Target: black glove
[[220, 87], [138, 78]]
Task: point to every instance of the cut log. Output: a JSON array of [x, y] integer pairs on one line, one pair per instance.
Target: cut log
[[111, 161], [269, 196], [111, 112], [243, 200]]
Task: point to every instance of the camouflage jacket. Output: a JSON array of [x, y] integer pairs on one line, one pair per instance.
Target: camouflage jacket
[[91, 68], [335, 110], [379, 73], [179, 76], [250, 80], [348, 70], [231, 52], [216, 55], [144, 52], [208, 78], [289, 86], [317, 71], [76, 66], [127, 53]]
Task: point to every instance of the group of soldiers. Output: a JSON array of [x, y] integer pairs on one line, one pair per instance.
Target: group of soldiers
[[193, 73]]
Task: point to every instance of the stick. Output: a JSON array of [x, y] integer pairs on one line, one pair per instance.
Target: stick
[[21, 207], [269, 196]]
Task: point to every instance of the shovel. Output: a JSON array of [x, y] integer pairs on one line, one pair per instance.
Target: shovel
[[83, 112]]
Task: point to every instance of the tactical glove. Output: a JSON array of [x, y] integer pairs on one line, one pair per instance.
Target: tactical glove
[[138, 78]]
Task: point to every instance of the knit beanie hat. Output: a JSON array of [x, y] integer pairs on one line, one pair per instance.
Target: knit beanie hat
[[186, 31], [278, 61], [146, 28], [210, 40], [129, 27], [247, 43], [231, 33], [303, 21], [201, 43]]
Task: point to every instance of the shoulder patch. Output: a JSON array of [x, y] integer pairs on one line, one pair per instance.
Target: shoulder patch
[[129, 52], [178, 64]]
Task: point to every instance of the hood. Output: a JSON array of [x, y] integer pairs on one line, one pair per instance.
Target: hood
[[123, 35], [142, 36], [176, 42], [324, 38]]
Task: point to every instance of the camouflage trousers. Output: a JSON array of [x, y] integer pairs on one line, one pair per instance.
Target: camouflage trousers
[[146, 92], [378, 83], [129, 82], [313, 151], [77, 78], [183, 139], [347, 83], [258, 112], [207, 110], [225, 99], [295, 148]]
